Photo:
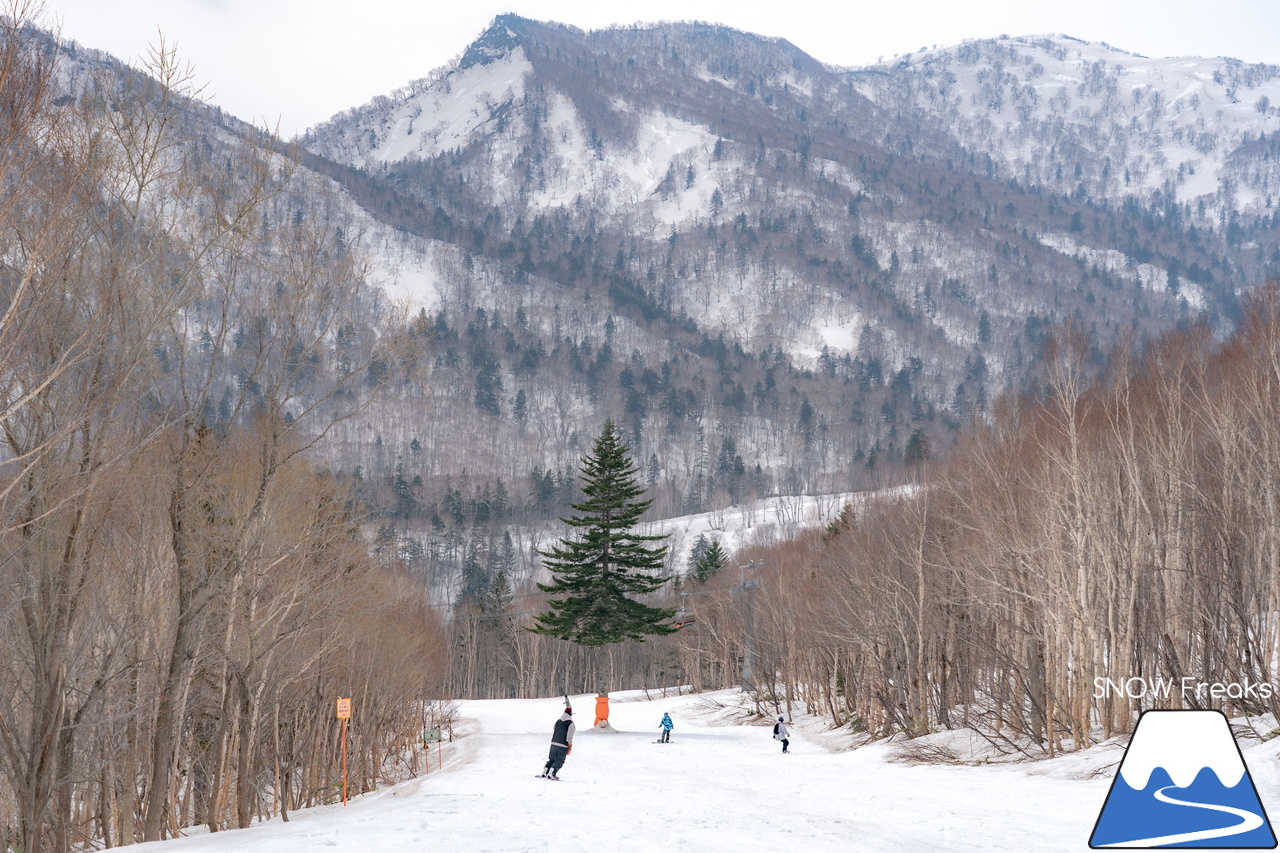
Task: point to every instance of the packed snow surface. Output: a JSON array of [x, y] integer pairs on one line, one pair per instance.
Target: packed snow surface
[[757, 523], [722, 784]]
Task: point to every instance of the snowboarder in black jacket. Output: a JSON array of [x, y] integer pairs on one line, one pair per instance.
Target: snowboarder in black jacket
[[561, 744]]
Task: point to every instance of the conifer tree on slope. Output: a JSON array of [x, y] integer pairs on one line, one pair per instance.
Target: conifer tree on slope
[[711, 560], [608, 562]]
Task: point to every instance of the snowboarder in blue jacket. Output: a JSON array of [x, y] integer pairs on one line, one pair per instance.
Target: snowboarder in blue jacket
[[667, 726]]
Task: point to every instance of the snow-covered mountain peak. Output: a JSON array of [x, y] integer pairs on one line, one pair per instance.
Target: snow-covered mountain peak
[[1183, 743], [1091, 120], [466, 102], [496, 42]]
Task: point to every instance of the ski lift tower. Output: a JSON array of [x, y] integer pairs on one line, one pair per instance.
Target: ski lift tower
[[749, 643]]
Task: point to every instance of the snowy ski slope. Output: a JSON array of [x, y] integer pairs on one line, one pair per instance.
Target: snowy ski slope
[[721, 785]]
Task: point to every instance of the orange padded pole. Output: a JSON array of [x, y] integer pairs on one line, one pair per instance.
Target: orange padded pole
[[602, 709]]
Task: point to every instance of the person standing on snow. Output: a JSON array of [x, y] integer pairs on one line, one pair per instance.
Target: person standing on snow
[[667, 726], [781, 732], [561, 744]]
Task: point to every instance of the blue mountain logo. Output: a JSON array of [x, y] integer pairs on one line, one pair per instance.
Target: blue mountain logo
[[1183, 783]]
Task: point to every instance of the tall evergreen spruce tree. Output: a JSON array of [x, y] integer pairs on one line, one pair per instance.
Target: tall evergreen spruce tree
[[711, 560], [599, 571]]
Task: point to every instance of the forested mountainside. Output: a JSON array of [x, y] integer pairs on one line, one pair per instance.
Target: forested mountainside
[[737, 251], [775, 275], [180, 322], [1094, 122]]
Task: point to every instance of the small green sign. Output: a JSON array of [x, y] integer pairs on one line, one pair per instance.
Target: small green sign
[[430, 735]]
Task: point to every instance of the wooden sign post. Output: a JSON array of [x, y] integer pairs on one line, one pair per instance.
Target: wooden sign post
[[430, 736], [344, 714]]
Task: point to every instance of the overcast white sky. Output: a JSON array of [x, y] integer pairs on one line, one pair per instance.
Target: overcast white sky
[[297, 62]]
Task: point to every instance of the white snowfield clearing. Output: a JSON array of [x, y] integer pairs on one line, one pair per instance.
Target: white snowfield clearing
[[718, 786]]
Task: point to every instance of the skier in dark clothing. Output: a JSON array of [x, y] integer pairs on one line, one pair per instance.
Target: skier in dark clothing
[[780, 732], [667, 726], [561, 744]]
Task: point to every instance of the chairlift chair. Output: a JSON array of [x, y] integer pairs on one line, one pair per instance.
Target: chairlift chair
[[683, 616]]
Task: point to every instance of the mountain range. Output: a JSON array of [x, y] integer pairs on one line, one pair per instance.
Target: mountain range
[[777, 275], [895, 239]]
